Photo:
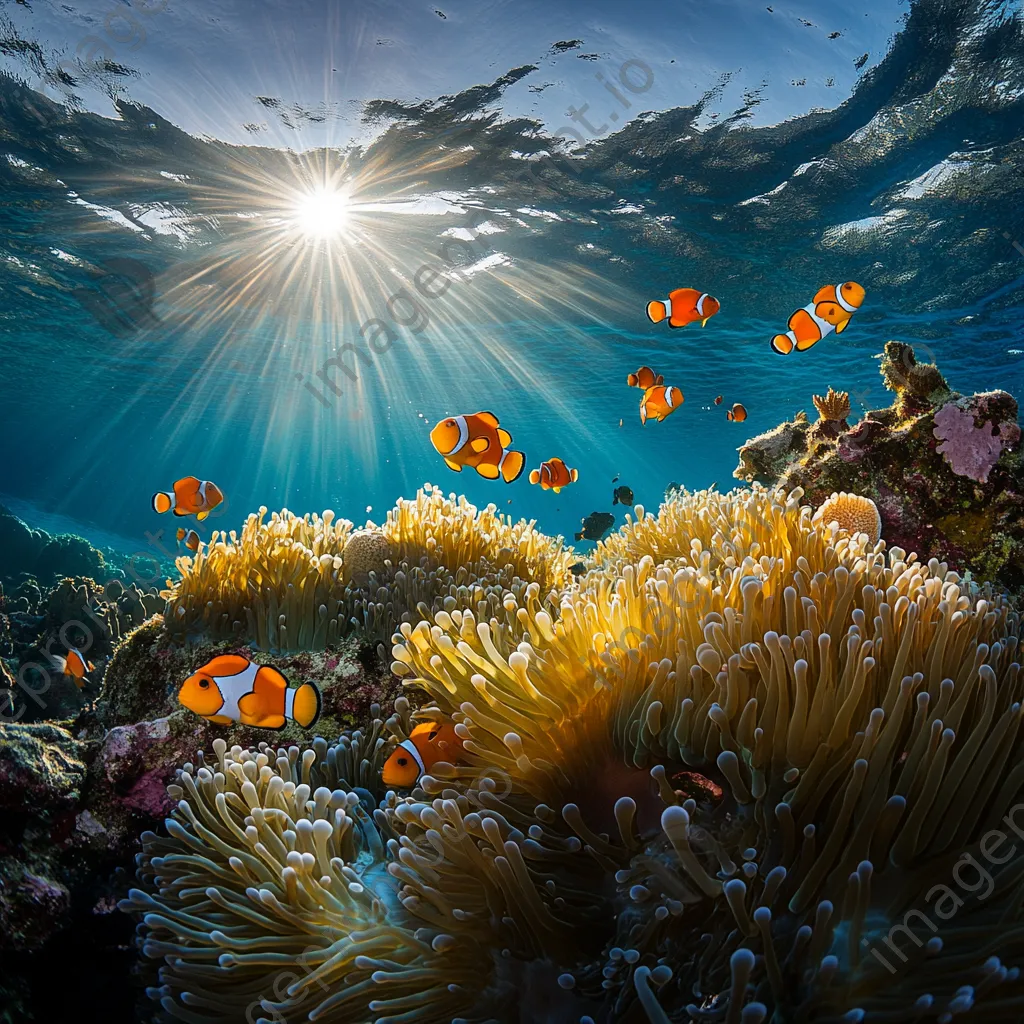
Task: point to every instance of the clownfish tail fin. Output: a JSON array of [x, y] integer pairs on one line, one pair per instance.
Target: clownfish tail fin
[[574, 475], [163, 501], [511, 466], [782, 344], [656, 312], [306, 709], [633, 380], [534, 476]]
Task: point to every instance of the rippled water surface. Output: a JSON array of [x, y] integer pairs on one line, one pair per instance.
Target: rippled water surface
[[166, 304]]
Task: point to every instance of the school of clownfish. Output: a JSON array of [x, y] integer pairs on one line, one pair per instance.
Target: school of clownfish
[[231, 689]]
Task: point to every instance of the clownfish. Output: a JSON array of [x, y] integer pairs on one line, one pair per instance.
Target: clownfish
[[428, 743], [830, 311], [737, 414], [231, 689], [554, 475], [659, 402], [189, 538], [682, 307], [478, 442], [190, 496], [73, 665], [644, 378], [718, 400]]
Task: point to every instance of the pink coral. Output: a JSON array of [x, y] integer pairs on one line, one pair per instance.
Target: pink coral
[[970, 450]]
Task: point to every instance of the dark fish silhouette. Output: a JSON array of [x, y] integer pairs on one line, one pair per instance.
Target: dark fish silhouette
[[595, 526], [622, 495], [578, 568]]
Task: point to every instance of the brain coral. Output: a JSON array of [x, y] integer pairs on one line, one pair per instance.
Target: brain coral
[[710, 790], [365, 551], [853, 513]]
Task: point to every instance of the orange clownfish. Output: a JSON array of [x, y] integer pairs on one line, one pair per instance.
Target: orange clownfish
[[830, 311], [428, 743], [718, 400], [682, 307], [554, 475], [660, 401], [231, 689], [190, 496], [644, 378], [74, 666], [189, 538], [737, 414], [477, 441]]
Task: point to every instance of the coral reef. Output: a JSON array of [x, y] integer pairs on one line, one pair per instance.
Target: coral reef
[[286, 584], [853, 513], [35, 552], [944, 470], [705, 791]]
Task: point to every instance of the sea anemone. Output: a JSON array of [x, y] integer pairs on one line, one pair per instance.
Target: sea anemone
[[853, 513], [709, 790], [301, 583]]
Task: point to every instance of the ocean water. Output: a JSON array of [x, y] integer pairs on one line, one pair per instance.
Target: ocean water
[[516, 182]]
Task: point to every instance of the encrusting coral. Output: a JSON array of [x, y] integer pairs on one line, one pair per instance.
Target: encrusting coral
[[853, 513], [703, 792], [294, 583]]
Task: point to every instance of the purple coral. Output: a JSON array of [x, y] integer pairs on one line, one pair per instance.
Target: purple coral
[[970, 450]]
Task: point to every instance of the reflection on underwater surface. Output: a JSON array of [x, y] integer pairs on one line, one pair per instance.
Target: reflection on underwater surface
[[270, 250]]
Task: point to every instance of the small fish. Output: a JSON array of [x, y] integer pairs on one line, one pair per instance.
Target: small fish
[[232, 689], [553, 475], [718, 400], [578, 569], [622, 495], [615, 479], [190, 497], [683, 306], [189, 538], [659, 402], [644, 378], [620, 421], [477, 441], [595, 526], [737, 414], [428, 743], [74, 666], [830, 310]]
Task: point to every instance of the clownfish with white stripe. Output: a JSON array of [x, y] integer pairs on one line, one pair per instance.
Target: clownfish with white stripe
[[553, 475], [189, 538], [644, 378], [232, 689], [190, 497], [428, 743], [73, 665], [476, 441], [660, 401], [682, 307], [831, 310]]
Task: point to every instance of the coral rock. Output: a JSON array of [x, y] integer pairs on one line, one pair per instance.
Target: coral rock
[[765, 457]]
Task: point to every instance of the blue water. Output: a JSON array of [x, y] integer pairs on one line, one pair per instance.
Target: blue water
[[160, 300]]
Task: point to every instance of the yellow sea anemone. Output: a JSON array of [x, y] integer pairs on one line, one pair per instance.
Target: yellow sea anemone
[[709, 789], [853, 513], [835, 405]]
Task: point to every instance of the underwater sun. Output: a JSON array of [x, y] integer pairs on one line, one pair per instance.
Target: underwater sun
[[323, 213]]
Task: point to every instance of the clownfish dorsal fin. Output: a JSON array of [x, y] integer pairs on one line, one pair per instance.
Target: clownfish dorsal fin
[[504, 437], [479, 445], [488, 418]]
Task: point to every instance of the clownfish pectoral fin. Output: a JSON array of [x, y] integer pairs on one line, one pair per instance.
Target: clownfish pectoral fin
[[704, 322], [841, 326], [479, 445], [643, 413], [504, 437], [201, 515], [557, 490], [453, 465], [489, 418], [488, 471], [534, 476]]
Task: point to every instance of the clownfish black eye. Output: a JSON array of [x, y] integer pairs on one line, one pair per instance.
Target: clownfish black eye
[[449, 423], [402, 762], [432, 735], [204, 684]]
